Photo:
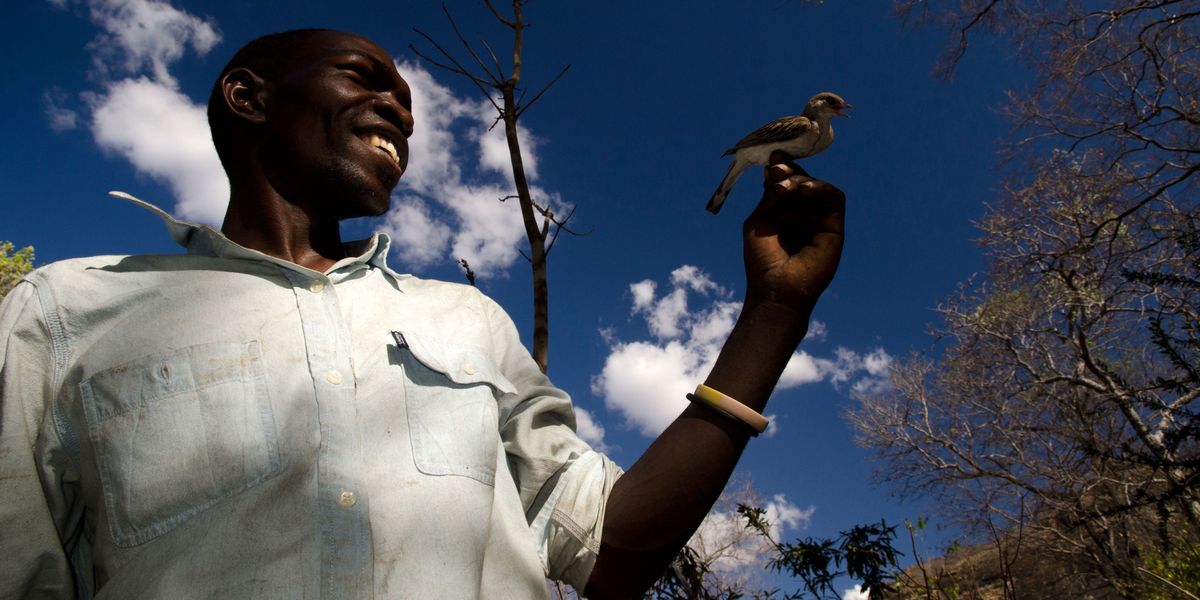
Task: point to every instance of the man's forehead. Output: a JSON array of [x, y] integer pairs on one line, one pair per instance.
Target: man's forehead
[[328, 43]]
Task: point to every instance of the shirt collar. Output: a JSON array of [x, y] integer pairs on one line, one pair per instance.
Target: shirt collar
[[204, 240]]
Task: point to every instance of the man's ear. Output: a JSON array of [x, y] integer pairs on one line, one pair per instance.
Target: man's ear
[[245, 94]]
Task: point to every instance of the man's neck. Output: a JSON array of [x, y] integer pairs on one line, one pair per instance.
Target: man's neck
[[273, 226]]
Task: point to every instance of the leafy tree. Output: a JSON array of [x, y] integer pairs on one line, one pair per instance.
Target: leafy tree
[[1063, 398], [1173, 574], [864, 553], [726, 556], [13, 266]]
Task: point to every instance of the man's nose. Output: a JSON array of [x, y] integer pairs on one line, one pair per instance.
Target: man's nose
[[395, 113]]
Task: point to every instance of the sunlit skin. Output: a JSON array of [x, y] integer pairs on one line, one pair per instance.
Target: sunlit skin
[[304, 166]]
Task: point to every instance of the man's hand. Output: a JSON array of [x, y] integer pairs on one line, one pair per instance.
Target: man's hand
[[793, 239]]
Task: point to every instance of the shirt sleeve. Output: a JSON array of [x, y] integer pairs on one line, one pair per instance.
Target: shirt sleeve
[[563, 483], [35, 563]]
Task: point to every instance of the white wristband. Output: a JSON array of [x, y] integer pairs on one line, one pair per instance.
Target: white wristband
[[730, 407]]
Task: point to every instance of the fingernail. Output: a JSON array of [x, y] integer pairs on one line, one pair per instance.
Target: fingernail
[[779, 170], [785, 185]]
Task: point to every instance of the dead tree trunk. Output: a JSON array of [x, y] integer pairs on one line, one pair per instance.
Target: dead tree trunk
[[541, 225]]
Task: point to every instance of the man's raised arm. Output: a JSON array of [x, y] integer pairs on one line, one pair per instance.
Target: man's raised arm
[[792, 245]]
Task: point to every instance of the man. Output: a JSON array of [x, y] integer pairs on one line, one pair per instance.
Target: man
[[278, 414]]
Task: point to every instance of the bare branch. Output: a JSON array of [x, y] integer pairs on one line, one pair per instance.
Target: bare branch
[[495, 61], [498, 76], [499, 17], [546, 87], [456, 68]]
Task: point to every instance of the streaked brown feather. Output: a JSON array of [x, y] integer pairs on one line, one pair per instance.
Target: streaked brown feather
[[780, 129]]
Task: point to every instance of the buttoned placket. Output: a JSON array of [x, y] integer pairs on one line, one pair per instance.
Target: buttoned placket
[[346, 556]]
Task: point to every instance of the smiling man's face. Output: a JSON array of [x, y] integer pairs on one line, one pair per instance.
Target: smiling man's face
[[337, 125]]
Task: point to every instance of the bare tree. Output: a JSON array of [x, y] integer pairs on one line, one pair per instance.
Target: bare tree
[[1063, 398], [502, 87]]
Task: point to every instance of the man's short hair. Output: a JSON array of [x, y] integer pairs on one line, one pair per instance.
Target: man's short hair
[[266, 56]]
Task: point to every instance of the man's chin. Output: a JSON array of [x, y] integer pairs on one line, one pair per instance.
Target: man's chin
[[373, 204]]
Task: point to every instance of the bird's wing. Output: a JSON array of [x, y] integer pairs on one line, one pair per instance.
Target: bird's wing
[[781, 129]]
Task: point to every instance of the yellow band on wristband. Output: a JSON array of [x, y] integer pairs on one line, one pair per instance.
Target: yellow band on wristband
[[730, 407]]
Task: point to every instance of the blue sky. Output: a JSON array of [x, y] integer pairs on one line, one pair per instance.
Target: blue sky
[[107, 95]]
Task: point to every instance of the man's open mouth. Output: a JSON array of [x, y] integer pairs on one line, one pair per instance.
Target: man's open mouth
[[383, 144]]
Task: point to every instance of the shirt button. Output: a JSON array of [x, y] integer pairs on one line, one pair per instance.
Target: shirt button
[[469, 369], [316, 286], [347, 499], [334, 377]]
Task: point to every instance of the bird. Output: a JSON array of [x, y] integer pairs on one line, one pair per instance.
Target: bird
[[799, 136]]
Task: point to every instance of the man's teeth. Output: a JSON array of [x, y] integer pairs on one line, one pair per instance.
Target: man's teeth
[[385, 145]]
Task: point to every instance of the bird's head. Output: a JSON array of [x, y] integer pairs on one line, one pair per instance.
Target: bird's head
[[825, 106]]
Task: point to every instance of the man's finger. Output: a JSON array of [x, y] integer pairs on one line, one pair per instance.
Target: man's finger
[[781, 158], [787, 180]]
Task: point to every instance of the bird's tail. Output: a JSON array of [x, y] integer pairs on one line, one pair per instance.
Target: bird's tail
[[718, 198], [731, 177]]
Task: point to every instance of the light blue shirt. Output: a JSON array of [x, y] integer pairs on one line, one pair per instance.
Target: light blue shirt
[[225, 424]]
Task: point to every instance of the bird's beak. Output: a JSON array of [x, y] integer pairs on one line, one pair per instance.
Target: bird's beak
[[844, 106]]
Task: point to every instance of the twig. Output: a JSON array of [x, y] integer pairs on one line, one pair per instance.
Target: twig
[[1170, 583], [462, 262], [546, 87]]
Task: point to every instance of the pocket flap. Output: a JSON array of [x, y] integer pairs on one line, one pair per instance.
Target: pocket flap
[[461, 364]]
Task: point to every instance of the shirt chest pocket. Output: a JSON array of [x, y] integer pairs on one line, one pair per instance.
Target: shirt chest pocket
[[450, 396], [175, 433]]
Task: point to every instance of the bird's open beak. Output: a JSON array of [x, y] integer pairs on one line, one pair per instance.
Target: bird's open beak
[[844, 106]]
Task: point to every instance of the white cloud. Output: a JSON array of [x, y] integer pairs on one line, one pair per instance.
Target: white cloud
[[165, 135], [493, 146], [643, 294], [713, 325], [801, 369], [61, 118], [461, 197], [663, 316], [416, 235], [848, 364], [647, 381], [667, 316], [856, 593], [434, 157], [698, 281], [489, 232], [590, 430], [817, 332], [146, 34], [772, 427], [877, 362], [783, 515], [144, 118]]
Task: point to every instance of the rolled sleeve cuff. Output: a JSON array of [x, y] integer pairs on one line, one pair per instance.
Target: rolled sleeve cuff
[[567, 528]]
